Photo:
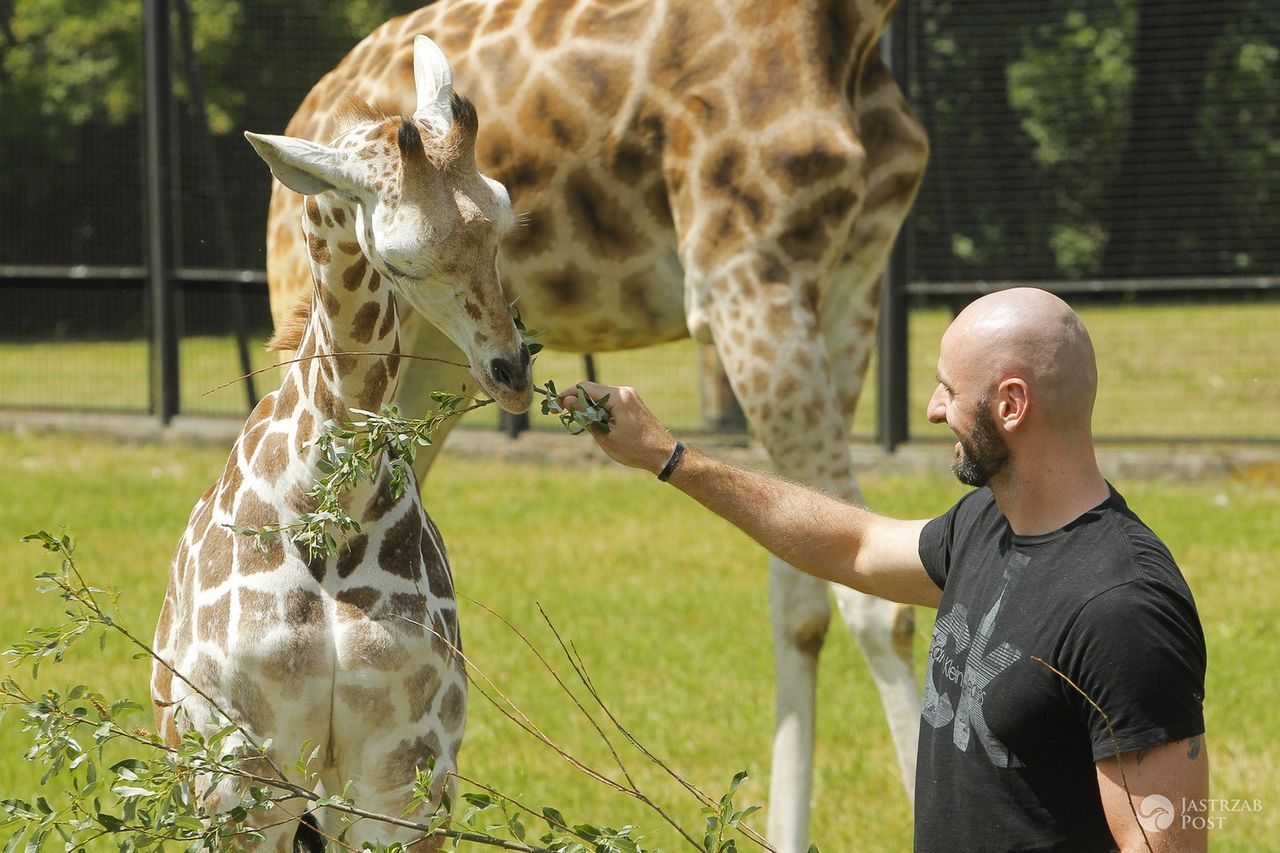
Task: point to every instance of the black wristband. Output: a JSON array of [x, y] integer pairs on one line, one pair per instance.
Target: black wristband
[[677, 453]]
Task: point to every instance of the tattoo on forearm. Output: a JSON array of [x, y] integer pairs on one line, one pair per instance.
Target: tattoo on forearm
[[1193, 747]]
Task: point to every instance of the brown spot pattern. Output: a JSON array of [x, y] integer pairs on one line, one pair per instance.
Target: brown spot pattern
[[303, 609], [351, 555], [249, 706], [547, 21], [375, 386], [257, 613], [374, 646], [215, 558], [357, 602], [453, 708], [353, 275], [214, 621], [602, 224], [372, 705], [401, 553], [409, 756], [422, 687], [366, 319], [388, 321], [406, 612], [318, 248]]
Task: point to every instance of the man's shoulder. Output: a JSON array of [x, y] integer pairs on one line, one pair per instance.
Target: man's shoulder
[[1127, 551], [977, 508]]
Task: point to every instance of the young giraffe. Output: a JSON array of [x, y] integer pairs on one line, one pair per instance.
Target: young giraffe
[[735, 171], [349, 654]]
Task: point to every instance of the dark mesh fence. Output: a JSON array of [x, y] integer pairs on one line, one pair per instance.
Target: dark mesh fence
[[73, 345], [74, 331], [1125, 146], [1097, 139]]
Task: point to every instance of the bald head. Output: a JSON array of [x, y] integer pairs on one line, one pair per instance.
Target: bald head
[[1033, 335]]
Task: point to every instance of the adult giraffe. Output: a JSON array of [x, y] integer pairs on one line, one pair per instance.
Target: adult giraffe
[[734, 171]]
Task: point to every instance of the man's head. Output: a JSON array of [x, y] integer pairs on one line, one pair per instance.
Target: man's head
[[1016, 374]]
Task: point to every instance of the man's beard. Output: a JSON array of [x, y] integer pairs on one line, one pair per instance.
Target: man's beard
[[985, 453]]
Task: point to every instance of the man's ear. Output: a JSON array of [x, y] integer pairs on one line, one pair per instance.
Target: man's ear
[[303, 166], [1013, 399]]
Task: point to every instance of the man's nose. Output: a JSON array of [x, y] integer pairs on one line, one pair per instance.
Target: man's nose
[[937, 410]]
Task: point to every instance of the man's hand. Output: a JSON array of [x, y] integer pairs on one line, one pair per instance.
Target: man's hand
[[635, 438]]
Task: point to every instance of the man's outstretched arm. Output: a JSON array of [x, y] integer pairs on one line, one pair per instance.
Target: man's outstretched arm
[[816, 533]]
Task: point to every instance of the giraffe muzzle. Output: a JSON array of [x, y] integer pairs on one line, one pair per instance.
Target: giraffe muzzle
[[513, 375]]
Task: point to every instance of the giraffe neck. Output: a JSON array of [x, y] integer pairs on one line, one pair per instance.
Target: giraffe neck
[[353, 311]]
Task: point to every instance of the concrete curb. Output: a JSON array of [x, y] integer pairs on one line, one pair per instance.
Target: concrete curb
[[1180, 462]]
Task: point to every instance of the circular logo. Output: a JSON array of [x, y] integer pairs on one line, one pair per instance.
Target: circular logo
[[1155, 813]]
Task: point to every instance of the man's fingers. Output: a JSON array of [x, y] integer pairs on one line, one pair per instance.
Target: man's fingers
[[594, 390]]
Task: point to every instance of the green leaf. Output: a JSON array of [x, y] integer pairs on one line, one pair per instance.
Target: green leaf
[[132, 791], [14, 840]]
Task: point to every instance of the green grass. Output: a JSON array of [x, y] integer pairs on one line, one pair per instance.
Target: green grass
[[668, 609], [1168, 371]]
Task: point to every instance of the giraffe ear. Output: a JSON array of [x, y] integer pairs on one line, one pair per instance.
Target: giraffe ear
[[301, 165], [433, 78]]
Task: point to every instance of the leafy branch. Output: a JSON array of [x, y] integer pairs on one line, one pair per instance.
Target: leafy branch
[[352, 452], [146, 799]]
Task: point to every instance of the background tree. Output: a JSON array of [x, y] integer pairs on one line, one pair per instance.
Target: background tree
[[1071, 138]]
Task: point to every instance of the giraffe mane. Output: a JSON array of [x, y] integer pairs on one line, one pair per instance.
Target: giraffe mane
[[288, 335], [352, 110]]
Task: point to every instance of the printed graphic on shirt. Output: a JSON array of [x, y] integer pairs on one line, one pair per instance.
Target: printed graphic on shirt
[[962, 663]]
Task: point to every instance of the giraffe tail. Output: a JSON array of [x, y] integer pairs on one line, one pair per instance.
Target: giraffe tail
[[308, 838]]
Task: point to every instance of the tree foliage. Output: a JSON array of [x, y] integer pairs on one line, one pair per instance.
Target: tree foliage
[[1070, 138]]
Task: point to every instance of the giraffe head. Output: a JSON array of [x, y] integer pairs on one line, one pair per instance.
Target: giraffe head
[[425, 218]]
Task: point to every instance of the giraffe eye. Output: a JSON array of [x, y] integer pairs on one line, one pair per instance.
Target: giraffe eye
[[395, 272]]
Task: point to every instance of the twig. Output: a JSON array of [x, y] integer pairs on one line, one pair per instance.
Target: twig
[[533, 729], [575, 660], [1115, 744], [521, 806], [516, 715], [332, 355], [564, 687], [86, 597]]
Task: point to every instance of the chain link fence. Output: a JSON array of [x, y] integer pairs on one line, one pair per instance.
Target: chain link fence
[[1121, 152]]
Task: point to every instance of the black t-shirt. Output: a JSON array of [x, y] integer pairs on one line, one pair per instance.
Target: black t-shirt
[[1007, 748]]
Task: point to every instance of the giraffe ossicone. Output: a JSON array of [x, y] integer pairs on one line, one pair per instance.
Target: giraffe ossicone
[[734, 171], [355, 654]]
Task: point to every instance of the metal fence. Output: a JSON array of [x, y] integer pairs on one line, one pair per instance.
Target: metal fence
[[1122, 153]]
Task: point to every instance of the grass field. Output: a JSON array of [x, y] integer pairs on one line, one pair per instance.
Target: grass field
[[1168, 371], [668, 609]]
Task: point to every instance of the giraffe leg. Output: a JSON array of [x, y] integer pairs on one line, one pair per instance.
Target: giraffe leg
[[885, 630], [895, 157], [800, 613], [779, 370]]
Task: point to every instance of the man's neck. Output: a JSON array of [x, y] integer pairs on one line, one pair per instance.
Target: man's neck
[[1043, 497]]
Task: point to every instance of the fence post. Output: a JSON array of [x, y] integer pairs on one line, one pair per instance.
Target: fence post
[[164, 339], [891, 365]]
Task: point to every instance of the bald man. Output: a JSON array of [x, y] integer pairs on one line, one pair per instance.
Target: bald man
[[1044, 560]]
